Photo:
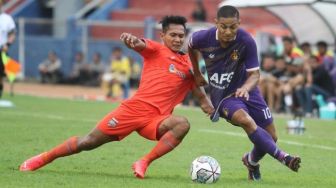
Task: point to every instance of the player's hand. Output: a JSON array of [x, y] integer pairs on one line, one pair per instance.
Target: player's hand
[[242, 92], [129, 39], [200, 80], [208, 109]]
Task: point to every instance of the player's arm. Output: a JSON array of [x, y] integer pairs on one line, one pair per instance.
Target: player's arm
[[252, 68], [251, 82], [204, 101], [133, 42], [199, 79]]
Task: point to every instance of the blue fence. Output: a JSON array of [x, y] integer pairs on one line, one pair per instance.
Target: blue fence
[[37, 43]]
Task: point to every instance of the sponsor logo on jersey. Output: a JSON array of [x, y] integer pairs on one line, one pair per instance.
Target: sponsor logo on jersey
[[234, 55], [113, 122], [221, 81], [211, 56], [172, 69]]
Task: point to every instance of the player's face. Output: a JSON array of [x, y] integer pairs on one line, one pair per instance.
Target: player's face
[[288, 46], [174, 37], [227, 28]]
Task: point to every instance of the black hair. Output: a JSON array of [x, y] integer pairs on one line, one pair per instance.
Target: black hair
[[305, 44], [117, 48], [227, 11], [322, 44], [167, 20], [279, 58], [288, 39]]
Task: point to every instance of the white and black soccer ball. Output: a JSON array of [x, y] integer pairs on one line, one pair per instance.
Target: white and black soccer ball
[[205, 169]]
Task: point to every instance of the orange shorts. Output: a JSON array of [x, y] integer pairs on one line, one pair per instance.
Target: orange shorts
[[132, 116]]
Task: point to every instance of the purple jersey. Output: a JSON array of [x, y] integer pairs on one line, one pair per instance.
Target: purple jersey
[[227, 67]]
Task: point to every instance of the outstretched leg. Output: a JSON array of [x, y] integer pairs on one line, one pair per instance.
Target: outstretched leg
[[263, 142], [71, 146], [171, 132]]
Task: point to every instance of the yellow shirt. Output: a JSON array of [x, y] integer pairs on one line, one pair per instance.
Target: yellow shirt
[[122, 66]]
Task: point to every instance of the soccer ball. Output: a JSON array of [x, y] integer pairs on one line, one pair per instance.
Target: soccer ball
[[205, 169]]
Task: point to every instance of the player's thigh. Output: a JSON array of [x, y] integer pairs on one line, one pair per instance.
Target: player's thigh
[[259, 111], [153, 129], [119, 123]]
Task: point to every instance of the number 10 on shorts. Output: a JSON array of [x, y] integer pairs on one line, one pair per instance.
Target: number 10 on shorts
[[267, 113]]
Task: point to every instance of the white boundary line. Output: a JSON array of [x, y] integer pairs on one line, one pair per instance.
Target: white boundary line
[[282, 141], [47, 116]]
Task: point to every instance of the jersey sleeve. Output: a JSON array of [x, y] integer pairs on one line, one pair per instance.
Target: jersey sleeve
[[252, 62], [194, 41], [150, 49]]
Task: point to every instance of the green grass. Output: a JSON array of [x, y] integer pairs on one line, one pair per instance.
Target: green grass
[[37, 124]]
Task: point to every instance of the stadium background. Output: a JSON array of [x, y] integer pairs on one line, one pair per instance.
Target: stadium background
[[95, 26]]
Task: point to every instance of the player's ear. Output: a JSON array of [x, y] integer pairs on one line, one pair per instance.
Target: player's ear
[[162, 35], [216, 21]]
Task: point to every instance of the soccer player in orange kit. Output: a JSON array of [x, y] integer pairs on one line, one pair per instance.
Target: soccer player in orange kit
[[165, 81]]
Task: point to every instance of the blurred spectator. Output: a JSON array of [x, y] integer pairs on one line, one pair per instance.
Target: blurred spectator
[[318, 82], [79, 73], [267, 81], [307, 51], [96, 70], [282, 78], [136, 68], [294, 67], [50, 69], [118, 76], [326, 57], [199, 13]]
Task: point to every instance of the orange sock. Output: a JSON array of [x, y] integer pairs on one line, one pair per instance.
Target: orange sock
[[68, 147], [166, 144]]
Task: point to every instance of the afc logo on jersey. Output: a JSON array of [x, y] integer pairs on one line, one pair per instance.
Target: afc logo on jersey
[[219, 79], [234, 55]]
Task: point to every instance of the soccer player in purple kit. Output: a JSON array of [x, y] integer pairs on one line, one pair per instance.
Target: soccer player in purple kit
[[230, 54]]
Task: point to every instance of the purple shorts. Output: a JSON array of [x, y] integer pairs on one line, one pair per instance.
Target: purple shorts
[[256, 107]]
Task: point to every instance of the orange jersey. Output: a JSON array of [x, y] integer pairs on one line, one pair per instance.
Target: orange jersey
[[166, 77]]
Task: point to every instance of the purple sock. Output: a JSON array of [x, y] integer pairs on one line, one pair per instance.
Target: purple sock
[[264, 142], [257, 154]]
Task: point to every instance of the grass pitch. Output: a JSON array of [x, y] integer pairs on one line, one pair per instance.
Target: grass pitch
[[38, 124]]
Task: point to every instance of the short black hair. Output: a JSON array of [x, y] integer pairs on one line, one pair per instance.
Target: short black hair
[[288, 39], [227, 11], [167, 20], [322, 44], [305, 44], [117, 48]]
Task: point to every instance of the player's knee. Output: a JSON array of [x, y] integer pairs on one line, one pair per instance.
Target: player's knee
[[246, 121], [182, 126]]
